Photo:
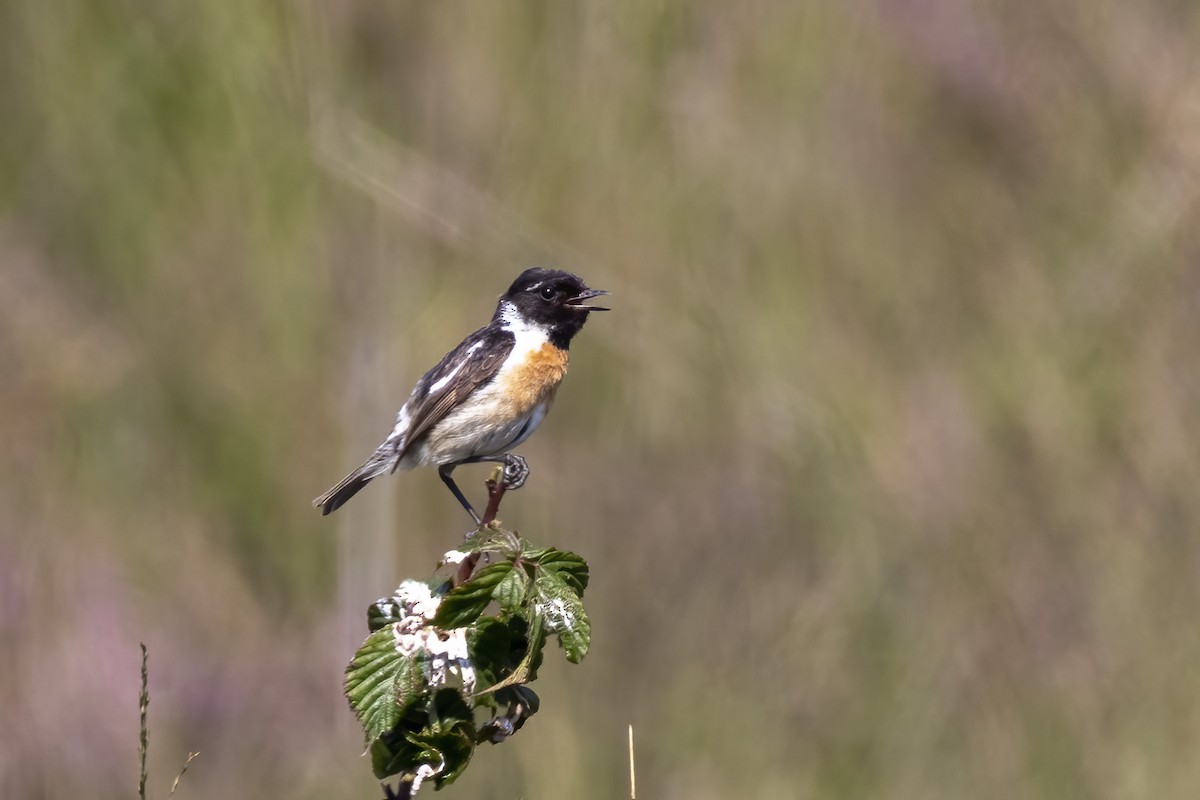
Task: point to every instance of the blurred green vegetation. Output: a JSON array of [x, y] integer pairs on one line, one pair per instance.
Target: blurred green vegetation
[[886, 463]]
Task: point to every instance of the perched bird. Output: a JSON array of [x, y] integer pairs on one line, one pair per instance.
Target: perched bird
[[487, 395]]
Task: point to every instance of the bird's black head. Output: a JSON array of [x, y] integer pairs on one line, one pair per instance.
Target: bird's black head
[[550, 299]]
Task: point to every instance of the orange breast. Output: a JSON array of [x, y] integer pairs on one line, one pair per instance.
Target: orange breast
[[536, 380]]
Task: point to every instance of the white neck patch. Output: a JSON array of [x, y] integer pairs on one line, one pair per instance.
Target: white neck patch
[[528, 335], [511, 317]]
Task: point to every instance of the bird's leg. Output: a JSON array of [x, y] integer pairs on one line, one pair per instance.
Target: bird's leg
[[516, 469], [444, 471]]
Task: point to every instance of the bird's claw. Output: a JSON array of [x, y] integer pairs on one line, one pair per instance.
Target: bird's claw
[[516, 471]]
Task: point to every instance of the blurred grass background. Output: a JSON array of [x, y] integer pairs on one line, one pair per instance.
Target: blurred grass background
[[886, 462]]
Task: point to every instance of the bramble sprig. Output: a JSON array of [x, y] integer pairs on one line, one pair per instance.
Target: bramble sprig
[[446, 652]]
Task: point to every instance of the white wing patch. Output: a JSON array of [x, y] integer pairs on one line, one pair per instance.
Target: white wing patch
[[442, 383]]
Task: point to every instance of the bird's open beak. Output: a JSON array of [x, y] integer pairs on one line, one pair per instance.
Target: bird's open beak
[[579, 300]]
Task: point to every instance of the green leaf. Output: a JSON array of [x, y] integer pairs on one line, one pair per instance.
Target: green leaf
[[485, 540], [410, 681], [392, 754], [407, 725], [493, 651], [513, 591], [466, 602], [383, 612], [569, 566], [533, 636], [455, 734], [562, 613], [437, 731], [475, 544], [504, 653], [380, 682]]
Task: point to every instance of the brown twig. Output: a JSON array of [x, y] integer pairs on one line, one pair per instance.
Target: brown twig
[[143, 740], [401, 792], [496, 488]]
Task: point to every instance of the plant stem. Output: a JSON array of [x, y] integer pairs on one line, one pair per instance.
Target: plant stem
[[145, 704], [496, 488]]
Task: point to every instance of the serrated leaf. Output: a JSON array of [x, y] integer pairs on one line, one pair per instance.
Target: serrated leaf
[[562, 612], [534, 637], [450, 736], [569, 566], [513, 591], [457, 750], [410, 682], [463, 604], [438, 731], [380, 682], [533, 553], [393, 754], [486, 540], [504, 653], [391, 751], [493, 650], [451, 711], [407, 725]]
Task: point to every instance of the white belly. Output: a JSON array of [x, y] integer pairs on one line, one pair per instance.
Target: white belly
[[471, 431]]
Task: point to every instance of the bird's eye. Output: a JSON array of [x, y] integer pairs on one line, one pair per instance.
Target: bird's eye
[[547, 292]]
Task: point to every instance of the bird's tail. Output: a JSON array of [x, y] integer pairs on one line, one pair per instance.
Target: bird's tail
[[350, 485]]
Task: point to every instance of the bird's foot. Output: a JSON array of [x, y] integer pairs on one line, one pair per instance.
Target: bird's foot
[[516, 471]]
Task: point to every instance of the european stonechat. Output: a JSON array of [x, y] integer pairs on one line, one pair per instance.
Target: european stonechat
[[487, 395]]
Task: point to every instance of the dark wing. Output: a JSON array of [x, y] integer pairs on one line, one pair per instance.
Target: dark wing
[[464, 369]]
